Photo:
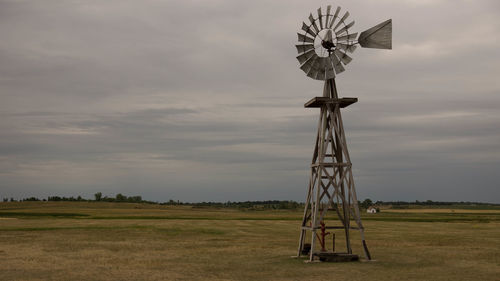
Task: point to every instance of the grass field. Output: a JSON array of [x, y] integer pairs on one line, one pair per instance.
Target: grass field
[[120, 241]]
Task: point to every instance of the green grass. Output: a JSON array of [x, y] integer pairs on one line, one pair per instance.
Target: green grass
[[259, 215], [434, 217], [38, 215]]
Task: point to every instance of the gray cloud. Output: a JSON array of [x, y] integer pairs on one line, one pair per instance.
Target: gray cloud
[[202, 100]]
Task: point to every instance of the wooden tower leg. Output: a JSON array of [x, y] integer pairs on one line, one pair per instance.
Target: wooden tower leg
[[331, 184]]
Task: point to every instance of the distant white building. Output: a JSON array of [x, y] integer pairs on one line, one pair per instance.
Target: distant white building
[[371, 210]]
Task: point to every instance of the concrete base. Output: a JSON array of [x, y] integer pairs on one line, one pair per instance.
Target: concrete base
[[336, 257]]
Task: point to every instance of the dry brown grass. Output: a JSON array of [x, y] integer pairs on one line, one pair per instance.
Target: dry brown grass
[[214, 248]]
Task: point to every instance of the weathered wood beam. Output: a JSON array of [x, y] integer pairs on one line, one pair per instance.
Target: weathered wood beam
[[318, 102]]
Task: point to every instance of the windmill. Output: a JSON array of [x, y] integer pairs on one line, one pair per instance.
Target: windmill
[[325, 45]]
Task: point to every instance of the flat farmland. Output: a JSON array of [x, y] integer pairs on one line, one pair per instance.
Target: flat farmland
[[122, 241]]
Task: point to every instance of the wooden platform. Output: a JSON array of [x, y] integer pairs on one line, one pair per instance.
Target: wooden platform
[[336, 257], [319, 101]]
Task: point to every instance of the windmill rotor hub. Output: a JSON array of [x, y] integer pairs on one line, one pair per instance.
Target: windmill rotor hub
[[325, 43], [328, 45]]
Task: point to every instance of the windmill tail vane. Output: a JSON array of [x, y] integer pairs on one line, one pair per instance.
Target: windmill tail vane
[[325, 48]]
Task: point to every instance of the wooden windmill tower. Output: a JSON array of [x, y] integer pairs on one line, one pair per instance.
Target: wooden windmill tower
[[323, 48]]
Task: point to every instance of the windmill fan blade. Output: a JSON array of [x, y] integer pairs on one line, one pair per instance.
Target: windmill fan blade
[[336, 64], [338, 68], [313, 22], [345, 47], [330, 73], [306, 56], [304, 47], [308, 65], [343, 57], [328, 9], [304, 38], [320, 18], [329, 36], [317, 70], [306, 28], [342, 20], [320, 75], [347, 37], [312, 73], [377, 37], [334, 59], [344, 29], [334, 17], [322, 63]]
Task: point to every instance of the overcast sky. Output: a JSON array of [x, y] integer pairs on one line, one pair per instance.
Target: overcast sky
[[203, 100]]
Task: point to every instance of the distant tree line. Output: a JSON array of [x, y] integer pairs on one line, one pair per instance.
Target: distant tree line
[[97, 197], [268, 204], [255, 205], [431, 203], [120, 198]]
